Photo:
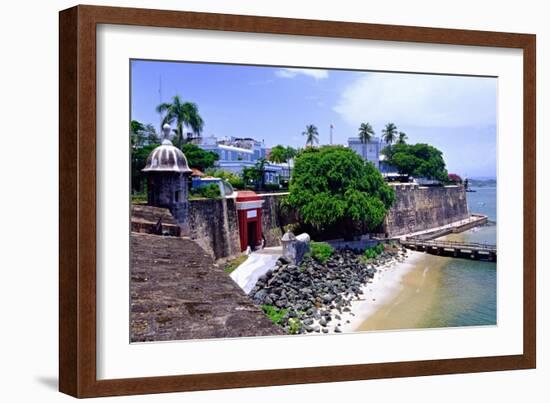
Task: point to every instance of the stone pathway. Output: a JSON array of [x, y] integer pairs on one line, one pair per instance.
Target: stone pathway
[[178, 293]]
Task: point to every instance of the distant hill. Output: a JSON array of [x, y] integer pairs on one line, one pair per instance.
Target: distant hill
[[482, 183]]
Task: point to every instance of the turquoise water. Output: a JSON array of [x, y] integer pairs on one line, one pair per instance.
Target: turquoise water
[[467, 290]]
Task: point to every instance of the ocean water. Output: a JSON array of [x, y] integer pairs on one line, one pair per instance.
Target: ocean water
[[444, 291], [467, 293]]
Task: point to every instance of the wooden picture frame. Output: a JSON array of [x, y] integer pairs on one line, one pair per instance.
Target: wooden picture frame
[[77, 183]]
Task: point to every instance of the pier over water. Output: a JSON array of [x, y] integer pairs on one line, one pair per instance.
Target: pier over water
[[475, 251]]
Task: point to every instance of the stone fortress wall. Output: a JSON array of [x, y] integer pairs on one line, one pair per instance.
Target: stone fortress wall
[[419, 208], [213, 223], [214, 226]]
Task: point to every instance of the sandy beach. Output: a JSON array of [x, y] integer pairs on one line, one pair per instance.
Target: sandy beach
[[379, 292]]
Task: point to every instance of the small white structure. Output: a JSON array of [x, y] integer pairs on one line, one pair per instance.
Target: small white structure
[[295, 247]]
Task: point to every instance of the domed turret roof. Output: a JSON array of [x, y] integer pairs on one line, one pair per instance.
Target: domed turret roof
[[167, 158]]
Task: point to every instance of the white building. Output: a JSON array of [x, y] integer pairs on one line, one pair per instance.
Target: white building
[[238, 153], [369, 151]]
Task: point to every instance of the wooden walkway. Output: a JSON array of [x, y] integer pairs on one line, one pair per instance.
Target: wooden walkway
[[475, 251]]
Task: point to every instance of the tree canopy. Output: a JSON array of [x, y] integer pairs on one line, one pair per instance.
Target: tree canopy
[[402, 138], [418, 160], [334, 188], [199, 158], [389, 133], [366, 132], [142, 134], [312, 135], [281, 154], [139, 159], [255, 175], [185, 114]]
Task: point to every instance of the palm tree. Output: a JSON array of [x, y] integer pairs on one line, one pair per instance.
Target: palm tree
[[186, 114], [365, 132], [402, 139], [390, 133], [312, 135]]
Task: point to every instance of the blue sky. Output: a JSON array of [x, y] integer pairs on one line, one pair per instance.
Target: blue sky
[[455, 114]]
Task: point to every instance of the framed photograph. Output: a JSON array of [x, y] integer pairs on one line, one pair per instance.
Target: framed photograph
[[254, 201]]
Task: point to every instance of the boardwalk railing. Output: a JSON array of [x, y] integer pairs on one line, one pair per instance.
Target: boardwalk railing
[[470, 250], [452, 244]]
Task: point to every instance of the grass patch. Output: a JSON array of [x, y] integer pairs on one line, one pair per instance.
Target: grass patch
[[371, 253], [139, 198], [232, 264], [275, 314], [320, 251]]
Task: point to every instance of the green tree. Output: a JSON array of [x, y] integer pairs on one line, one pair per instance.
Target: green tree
[[291, 153], [402, 138], [280, 154], [389, 133], [185, 114], [366, 132], [139, 159], [255, 175], [312, 135], [141, 134], [332, 188], [199, 158], [417, 160]]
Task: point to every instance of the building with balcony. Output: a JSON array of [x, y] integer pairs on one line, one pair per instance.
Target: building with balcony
[[237, 153]]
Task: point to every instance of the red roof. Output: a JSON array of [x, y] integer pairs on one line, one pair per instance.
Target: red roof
[[247, 195]]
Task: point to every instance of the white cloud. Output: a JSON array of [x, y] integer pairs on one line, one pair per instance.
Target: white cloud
[[419, 100], [291, 73]]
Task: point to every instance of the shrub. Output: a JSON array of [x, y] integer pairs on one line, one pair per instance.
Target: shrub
[[275, 314], [321, 251], [454, 178], [211, 191], [235, 180], [295, 325], [371, 253]]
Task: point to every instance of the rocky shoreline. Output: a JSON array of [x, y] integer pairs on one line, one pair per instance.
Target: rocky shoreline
[[316, 297]]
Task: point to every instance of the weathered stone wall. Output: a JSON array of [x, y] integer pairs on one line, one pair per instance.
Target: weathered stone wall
[[213, 225], [271, 220], [420, 208]]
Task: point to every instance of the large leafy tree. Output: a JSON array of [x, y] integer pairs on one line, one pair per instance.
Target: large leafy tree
[[333, 189], [389, 133], [184, 114], [418, 160], [199, 158], [366, 132], [312, 135]]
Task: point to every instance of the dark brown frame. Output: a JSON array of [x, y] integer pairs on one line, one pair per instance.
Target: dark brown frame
[[77, 210]]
